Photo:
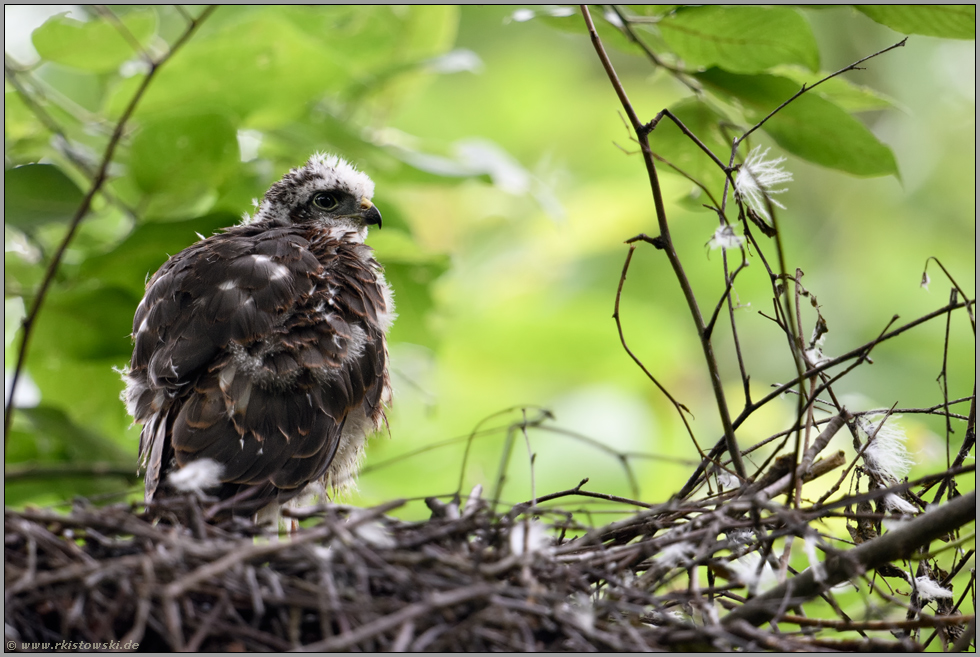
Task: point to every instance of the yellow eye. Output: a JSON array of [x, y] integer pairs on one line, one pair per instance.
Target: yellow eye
[[326, 201]]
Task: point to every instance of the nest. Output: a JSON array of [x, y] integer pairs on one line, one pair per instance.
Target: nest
[[469, 578]]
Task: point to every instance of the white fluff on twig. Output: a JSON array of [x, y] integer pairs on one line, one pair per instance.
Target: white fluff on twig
[[725, 238], [928, 589], [756, 178], [886, 455]]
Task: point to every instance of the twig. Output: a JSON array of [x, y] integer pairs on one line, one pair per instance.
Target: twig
[[969, 306], [124, 31], [96, 470], [805, 88], [727, 170], [62, 143], [642, 134], [743, 373], [530, 504], [679, 407], [245, 554], [859, 352], [473, 435], [729, 284], [433, 603], [969, 441], [896, 544], [680, 74], [857, 457], [844, 626], [943, 377]]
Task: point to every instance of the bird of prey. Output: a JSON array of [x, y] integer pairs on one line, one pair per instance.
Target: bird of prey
[[260, 362]]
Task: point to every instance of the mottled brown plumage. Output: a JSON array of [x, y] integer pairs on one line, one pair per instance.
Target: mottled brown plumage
[[262, 348]]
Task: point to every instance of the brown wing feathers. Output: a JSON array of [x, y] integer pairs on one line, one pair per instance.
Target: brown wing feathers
[[251, 349]]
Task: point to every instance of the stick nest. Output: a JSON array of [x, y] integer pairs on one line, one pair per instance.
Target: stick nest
[[357, 579]]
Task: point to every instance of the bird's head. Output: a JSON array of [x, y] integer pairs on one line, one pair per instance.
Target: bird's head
[[327, 191]]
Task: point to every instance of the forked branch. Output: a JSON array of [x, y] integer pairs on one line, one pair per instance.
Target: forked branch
[[665, 243]]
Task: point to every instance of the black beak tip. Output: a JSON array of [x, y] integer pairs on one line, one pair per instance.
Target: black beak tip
[[372, 217]]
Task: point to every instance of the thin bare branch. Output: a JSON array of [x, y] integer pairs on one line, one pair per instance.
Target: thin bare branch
[[804, 89], [898, 543], [665, 244], [82, 211]]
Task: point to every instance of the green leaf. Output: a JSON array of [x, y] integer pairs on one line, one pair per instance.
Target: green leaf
[[88, 324], [47, 436], [261, 70], [173, 152], [950, 21], [606, 24], [677, 148], [370, 39], [652, 10], [398, 246], [417, 36], [37, 194], [811, 127], [64, 440], [412, 283], [695, 200], [88, 389], [741, 39], [13, 315], [96, 45], [412, 273], [145, 249], [19, 121], [320, 131], [840, 91], [82, 87]]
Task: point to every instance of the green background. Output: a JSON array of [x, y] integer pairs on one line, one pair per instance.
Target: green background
[[508, 183]]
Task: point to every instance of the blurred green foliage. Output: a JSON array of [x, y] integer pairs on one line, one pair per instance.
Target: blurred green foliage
[[741, 39], [492, 136]]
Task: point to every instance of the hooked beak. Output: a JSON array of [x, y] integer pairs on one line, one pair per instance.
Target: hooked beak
[[370, 214]]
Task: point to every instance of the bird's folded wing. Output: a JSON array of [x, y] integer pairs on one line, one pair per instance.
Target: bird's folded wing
[[251, 350]]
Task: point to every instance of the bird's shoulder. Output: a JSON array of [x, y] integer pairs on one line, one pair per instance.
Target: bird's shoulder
[[227, 286]]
